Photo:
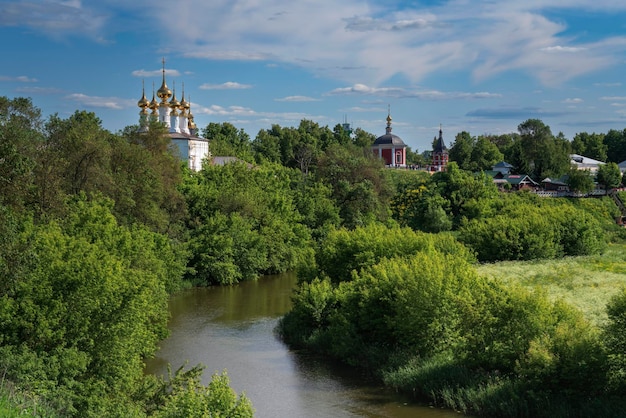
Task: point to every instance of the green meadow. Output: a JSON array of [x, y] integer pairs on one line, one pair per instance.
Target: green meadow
[[586, 282]]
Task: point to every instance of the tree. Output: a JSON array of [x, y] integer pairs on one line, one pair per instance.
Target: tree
[[579, 181], [615, 142], [540, 154], [20, 137], [147, 176], [86, 308], [227, 140], [266, 146], [82, 151], [461, 150], [359, 188], [363, 139], [590, 145], [484, 155], [609, 175], [185, 396]]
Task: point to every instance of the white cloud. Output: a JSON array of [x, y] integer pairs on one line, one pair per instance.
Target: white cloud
[[19, 79], [155, 73], [398, 92], [607, 84], [360, 41], [613, 98], [38, 90], [297, 99], [55, 18], [574, 100], [229, 85], [100, 102], [559, 48]]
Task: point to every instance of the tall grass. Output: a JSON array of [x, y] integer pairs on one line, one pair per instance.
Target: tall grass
[[586, 282], [14, 403]]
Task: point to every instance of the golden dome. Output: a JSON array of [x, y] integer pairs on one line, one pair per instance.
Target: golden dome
[[143, 102], [174, 103], [164, 92]]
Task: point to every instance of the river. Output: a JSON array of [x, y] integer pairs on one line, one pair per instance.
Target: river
[[232, 328]]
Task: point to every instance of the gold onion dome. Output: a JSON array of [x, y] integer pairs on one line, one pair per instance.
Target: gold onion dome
[[190, 115], [174, 103], [154, 105], [184, 104], [164, 92], [143, 102]]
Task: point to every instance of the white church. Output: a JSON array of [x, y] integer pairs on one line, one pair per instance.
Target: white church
[[177, 117]]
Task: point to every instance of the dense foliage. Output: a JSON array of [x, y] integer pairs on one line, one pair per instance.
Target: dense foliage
[[244, 222], [526, 228], [91, 245], [425, 322], [97, 229]]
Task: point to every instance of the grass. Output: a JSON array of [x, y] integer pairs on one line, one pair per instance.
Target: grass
[[587, 283], [15, 404]]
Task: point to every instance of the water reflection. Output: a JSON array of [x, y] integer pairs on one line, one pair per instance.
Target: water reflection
[[233, 328]]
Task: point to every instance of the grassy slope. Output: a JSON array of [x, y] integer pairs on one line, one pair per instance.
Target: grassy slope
[[586, 282]]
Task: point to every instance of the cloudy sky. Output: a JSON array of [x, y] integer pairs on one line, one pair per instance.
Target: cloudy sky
[[476, 66]]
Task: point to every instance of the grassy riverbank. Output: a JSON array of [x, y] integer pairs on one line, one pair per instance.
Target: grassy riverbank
[[586, 282]]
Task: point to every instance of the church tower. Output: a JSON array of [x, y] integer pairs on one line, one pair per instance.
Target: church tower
[[176, 116], [390, 147], [440, 153]]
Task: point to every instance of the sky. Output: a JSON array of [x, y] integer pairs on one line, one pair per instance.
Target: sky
[[478, 66]]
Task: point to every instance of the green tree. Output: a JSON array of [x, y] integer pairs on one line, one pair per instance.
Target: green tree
[[82, 151], [609, 175], [615, 337], [615, 142], [363, 139], [20, 136], [243, 222], [266, 146], [227, 140], [538, 153], [485, 155], [360, 190], [579, 181], [87, 308], [185, 396], [147, 175], [590, 145], [461, 150]]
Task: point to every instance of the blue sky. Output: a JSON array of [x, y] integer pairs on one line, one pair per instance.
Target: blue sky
[[477, 66]]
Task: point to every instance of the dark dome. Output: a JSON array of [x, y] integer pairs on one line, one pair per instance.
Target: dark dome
[[389, 139]]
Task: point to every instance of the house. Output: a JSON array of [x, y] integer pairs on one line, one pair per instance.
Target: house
[[390, 147], [503, 167], [556, 185], [622, 166], [584, 163], [520, 181]]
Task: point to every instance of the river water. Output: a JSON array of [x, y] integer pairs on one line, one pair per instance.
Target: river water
[[232, 328]]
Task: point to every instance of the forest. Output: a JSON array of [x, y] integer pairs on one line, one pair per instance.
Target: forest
[[98, 229]]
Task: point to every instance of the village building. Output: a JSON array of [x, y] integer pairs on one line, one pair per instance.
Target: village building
[[177, 117], [585, 163], [390, 147], [439, 154]]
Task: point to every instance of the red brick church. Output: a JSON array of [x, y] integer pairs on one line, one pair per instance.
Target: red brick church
[[391, 148]]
